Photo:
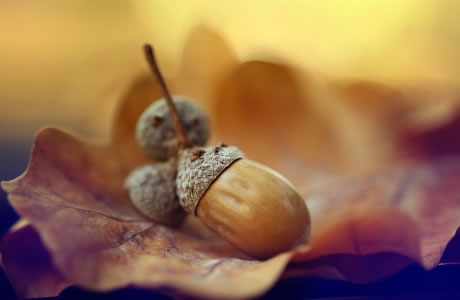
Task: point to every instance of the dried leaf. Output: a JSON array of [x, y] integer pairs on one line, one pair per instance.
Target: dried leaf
[[439, 141], [263, 108], [364, 228], [411, 209], [202, 68], [28, 264]]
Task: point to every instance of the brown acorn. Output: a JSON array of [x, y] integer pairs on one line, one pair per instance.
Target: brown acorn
[[248, 204]]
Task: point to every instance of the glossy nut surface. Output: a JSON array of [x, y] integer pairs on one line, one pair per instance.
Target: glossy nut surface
[[255, 209]]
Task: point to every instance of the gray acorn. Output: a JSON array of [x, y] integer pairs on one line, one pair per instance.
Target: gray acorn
[[152, 189], [155, 130]]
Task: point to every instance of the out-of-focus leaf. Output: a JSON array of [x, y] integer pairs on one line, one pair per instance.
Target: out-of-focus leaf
[[28, 264], [206, 60], [411, 209], [262, 108], [433, 142]]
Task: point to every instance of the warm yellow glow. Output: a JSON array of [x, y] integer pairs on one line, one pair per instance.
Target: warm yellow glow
[[67, 62], [380, 39]]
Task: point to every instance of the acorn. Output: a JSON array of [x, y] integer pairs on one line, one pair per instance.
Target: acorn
[[152, 190], [251, 206], [248, 204], [155, 130]]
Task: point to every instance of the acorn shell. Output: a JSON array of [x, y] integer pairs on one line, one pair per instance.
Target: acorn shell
[[155, 130], [255, 209]]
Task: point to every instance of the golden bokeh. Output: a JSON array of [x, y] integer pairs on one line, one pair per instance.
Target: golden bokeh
[[67, 63]]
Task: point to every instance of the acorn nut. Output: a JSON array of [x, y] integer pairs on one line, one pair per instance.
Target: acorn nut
[[152, 189], [155, 130], [250, 205]]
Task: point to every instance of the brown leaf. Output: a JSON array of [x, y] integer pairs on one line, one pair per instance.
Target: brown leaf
[[411, 209], [439, 141], [72, 195], [28, 264], [202, 68], [263, 108]]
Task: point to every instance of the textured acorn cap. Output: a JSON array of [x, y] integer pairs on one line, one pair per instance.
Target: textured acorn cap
[[198, 167], [152, 189], [156, 133]]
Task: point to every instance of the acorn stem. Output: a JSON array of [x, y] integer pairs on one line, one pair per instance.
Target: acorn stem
[[180, 129]]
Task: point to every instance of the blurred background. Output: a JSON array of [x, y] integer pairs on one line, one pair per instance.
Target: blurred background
[[67, 63]]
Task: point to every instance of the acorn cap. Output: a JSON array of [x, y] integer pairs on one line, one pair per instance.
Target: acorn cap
[[197, 169]]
